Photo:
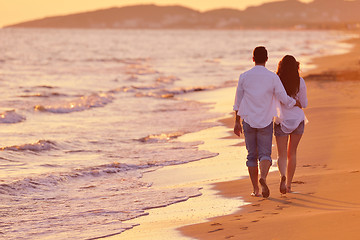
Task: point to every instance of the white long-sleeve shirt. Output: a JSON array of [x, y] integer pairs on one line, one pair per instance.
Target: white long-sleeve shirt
[[256, 96], [289, 118]]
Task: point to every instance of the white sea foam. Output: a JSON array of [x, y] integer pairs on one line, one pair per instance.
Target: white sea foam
[[160, 137], [41, 145], [11, 117], [80, 104]]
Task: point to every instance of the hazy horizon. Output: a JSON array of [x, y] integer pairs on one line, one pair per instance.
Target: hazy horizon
[[10, 13]]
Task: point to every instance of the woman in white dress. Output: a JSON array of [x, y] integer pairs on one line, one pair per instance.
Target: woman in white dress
[[289, 125]]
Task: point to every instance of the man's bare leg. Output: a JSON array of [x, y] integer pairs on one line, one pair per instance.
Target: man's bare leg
[[264, 170], [254, 176]]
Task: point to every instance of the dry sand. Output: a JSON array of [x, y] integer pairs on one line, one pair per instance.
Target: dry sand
[[326, 199]]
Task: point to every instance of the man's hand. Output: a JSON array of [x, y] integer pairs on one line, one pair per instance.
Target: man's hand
[[298, 104], [238, 129]]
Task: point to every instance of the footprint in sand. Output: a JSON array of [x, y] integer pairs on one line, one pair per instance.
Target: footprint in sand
[[273, 213], [257, 210], [314, 166], [281, 207], [298, 182], [219, 229], [237, 217], [215, 224], [244, 228]]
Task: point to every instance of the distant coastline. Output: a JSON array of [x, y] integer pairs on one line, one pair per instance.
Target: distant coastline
[[289, 14]]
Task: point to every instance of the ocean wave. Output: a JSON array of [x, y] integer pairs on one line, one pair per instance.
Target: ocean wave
[[167, 79], [41, 145], [163, 137], [157, 90], [45, 86], [46, 182], [213, 60], [113, 59], [132, 78], [11, 117], [171, 93], [118, 60], [132, 66], [140, 69], [36, 87], [77, 105], [43, 95], [130, 174], [101, 206]]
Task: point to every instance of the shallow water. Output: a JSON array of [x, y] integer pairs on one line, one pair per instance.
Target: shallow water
[[84, 113]]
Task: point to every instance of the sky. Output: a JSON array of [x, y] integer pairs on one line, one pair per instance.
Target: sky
[[15, 11]]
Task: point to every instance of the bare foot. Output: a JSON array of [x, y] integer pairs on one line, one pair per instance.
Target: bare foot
[[283, 188], [253, 194], [265, 189], [256, 192]]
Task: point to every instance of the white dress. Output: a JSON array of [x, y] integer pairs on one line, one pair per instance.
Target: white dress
[[289, 118]]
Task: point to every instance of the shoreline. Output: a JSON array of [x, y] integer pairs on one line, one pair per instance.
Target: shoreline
[[162, 223], [171, 222], [325, 204]]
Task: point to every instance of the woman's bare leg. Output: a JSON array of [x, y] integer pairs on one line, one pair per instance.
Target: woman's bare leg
[[293, 144], [281, 143]]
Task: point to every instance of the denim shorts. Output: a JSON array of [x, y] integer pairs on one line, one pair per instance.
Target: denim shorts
[[258, 143], [278, 132]]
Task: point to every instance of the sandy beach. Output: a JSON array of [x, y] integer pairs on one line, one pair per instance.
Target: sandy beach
[[325, 203]]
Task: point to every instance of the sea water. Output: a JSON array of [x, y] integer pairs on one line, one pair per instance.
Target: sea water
[[85, 113]]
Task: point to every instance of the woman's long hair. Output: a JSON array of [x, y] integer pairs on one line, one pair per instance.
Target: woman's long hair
[[288, 71]]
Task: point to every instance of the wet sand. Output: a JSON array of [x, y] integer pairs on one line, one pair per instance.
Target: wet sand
[[325, 203]]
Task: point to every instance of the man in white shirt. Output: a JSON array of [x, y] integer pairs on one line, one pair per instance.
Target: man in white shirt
[[255, 102]]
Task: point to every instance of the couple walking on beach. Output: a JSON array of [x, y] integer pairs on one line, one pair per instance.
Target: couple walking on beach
[[262, 98]]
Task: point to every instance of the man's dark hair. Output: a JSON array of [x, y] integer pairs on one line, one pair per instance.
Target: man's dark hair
[[260, 55]]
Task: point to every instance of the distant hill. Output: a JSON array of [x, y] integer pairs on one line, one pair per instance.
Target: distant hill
[[280, 14]]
